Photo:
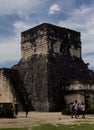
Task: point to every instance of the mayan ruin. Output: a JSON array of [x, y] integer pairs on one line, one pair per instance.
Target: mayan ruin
[[51, 72]]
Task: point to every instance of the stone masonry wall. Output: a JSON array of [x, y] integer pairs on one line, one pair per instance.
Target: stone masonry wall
[[12, 88], [81, 93], [6, 89], [47, 38], [34, 41], [34, 74]]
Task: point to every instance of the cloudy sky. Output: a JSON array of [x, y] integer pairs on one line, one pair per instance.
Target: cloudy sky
[[17, 16]]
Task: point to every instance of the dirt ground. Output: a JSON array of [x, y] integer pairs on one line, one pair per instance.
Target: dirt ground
[[37, 118]]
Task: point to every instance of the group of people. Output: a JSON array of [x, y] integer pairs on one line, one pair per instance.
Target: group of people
[[76, 109]]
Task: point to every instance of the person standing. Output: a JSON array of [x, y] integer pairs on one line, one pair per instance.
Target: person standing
[[83, 110], [26, 109], [16, 109], [79, 109], [75, 108], [71, 109]]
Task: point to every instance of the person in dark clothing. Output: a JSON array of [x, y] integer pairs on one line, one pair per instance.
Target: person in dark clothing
[[26, 109], [16, 109]]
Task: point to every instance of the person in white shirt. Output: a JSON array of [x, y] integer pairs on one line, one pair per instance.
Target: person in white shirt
[[83, 110], [75, 108]]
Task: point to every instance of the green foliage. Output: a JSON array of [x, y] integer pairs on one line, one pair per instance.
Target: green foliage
[[6, 110], [90, 111], [66, 111]]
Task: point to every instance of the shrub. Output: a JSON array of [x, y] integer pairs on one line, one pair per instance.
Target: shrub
[[6, 110], [65, 111], [90, 111]]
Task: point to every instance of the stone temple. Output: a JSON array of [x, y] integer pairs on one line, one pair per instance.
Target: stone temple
[[51, 72]]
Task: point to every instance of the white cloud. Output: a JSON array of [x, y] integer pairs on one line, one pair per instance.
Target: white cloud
[[20, 26], [9, 50], [54, 9], [10, 47], [8, 7], [90, 59]]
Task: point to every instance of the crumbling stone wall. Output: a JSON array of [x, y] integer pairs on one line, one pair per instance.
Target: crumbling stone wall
[[80, 92], [6, 89], [12, 88], [34, 74], [47, 38], [34, 41], [43, 82]]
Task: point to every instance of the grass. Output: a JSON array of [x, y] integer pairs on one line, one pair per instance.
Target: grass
[[65, 127], [13, 129], [57, 127]]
